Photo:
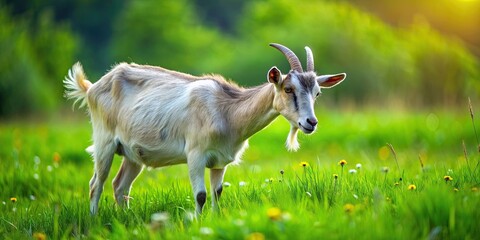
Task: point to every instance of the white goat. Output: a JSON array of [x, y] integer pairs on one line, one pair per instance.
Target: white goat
[[156, 117]]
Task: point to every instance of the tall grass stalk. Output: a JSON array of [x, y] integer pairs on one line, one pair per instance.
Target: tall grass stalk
[[472, 116], [396, 161], [473, 123], [421, 163]]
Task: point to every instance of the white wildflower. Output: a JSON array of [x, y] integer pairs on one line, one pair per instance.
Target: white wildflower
[[206, 231], [239, 222], [36, 160], [286, 216]]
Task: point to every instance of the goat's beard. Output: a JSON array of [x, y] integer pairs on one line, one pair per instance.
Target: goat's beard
[[292, 142]]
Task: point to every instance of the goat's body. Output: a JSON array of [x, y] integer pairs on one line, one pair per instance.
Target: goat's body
[[156, 119]]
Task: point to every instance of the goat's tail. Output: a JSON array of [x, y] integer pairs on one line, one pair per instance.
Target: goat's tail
[[76, 84]]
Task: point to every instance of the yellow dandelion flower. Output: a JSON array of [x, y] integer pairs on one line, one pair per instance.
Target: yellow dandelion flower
[[474, 189], [335, 176], [348, 208], [256, 236], [39, 236], [383, 153], [304, 164], [447, 178], [342, 162], [13, 199], [412, 187], [274, 213]]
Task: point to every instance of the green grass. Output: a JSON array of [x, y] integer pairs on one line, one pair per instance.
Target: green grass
[[52, 196]]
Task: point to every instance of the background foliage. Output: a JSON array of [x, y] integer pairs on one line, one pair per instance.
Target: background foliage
[[413, 63], [35, 54]]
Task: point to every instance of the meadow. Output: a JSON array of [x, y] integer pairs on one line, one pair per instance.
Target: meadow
[[365, 174]]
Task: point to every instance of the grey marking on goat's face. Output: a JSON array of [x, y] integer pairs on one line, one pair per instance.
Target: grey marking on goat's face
[[295, 101], [307, 81]]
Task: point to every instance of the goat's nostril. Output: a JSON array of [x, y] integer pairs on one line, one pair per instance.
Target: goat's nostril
[[312, 122]]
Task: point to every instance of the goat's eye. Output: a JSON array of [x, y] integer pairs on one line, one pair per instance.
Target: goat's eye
[[318, 94], [288, 90]]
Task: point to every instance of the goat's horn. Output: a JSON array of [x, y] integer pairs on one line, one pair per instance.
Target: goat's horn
[[310, 65], [291, 57]]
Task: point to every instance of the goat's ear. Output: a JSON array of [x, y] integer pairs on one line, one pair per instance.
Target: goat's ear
[[274, 76], [328, 81]]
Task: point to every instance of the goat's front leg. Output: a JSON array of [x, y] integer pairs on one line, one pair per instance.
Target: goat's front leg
[[216, 188], [196, 170]]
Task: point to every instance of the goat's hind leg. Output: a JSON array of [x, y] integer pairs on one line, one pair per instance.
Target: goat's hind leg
[[123, 181], [216, 187], [103, 155]]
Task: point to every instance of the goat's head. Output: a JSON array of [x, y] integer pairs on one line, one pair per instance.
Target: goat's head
[[295, 93]]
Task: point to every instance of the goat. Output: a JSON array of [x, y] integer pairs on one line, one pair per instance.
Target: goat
[[157, 117]]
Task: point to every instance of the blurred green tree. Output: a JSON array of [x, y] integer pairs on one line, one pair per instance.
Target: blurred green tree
[[35, 54], [416, 65], [446, 73], [91, 21], [221, 14], [168, 34]]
